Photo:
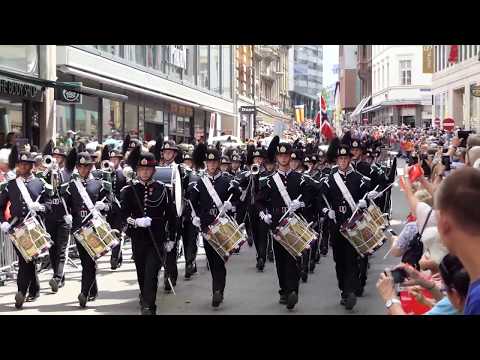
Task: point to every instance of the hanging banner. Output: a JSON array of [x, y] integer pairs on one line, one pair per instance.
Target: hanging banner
[[427, 59]]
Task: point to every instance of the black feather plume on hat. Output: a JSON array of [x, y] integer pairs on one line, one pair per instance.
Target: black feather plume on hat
[[105, 153], [272, 148], [48, 148], [71, 160], [250, 151], [13, 157], [199, 155], [332, 149], [179, 157], [219, 147], [157, 148], [126, 144], [133, 157], [347, 139], [81, 147]]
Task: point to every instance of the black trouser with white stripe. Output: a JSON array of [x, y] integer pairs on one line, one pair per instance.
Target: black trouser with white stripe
[[27, 278], [89, 272], [287, 269], [216, 266], [346, 264], [259, 234], [59, 232]]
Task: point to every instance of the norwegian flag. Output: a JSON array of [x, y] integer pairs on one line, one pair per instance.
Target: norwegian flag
[[326, 129], [323, 105], [453, 54]]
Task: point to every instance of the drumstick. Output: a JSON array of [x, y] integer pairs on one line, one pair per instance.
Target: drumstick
[[363, 198], [298, 198], [388, 187], [329, 207]]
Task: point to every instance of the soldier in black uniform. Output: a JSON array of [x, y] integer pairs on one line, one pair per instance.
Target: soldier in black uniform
[[225, 165], [58, 222], [98, 192], [339, 210], [147, 208], [20, 208], [272, 208], [237, 164], [114, 218], [207, 211]]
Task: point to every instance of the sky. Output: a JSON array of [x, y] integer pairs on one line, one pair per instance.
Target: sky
[[330, 58]]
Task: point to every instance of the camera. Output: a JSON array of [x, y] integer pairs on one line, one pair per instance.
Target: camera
[[446, 162], [399, 275]]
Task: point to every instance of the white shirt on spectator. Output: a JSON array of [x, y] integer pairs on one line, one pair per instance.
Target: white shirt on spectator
[[421, 213]]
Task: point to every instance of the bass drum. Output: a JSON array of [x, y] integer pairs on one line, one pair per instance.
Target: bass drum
[[171, 177]]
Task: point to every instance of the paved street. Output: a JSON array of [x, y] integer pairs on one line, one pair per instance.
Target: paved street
[[247, 291]]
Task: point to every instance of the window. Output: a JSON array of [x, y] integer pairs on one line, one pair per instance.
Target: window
[[154, 56], [189, 71], [226, 71], [215, 68], [405, 72], [86, 118], [22, 58], [383, 76], [435, 57], [131, 120], [388, 74], [141, 55], [173, 123], [444, 51], [64, 122], [203, 79], [470, 51], [112, 119]]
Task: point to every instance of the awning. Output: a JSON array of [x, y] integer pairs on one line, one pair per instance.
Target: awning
[[126, 86], [84, 90], [360, 106], [371, 108]]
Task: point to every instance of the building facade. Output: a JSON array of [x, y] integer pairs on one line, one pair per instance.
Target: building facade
[[401, 90], [453, 85], [306, 77], [364, 73], [349, 81]]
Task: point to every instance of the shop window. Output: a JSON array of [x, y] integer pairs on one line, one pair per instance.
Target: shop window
[[86, 118], [141, 55], [154, 56], [189, 71], [180, 124], [112, 119], [203, 78], [131, 120], [64, 123], [11, 118], [186, 126], [226, 71], [173, 123]]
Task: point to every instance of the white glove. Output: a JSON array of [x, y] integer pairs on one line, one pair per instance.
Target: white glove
[[196, 221], [295, 205], [362, 204], [37, 207], [227, 206], [100, 205], [330, 213], [143, 222], [372, 195], [68, 219], [5, 226], [267, 219], [169, 245]]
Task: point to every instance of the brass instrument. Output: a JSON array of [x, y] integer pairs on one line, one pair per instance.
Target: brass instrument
[[48, 161], [107, 166], [254, 169]]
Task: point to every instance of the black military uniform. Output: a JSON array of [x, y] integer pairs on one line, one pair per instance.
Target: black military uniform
[[141, 200], [207, 211], [98, 191], [175, 231], [344, 254], [55, 223], [114, 217], [27, 279], [271, 202]]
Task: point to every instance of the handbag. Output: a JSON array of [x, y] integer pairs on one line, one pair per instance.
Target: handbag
[[414, 251]]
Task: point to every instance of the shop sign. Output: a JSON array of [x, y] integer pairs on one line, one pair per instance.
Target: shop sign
[[247, 109], [23, 90], [427, 59], [475, 90], [68, 96]]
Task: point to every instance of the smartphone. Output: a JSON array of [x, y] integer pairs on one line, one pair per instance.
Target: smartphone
[[399, 275]]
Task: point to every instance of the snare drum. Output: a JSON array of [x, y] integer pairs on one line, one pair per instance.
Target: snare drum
[[294, 234], [30, 239], [97, 237], [377, 216], [364, 232], [225, 235]]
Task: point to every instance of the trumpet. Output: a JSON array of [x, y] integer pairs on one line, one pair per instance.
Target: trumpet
[[254, 169], [107, 166], [48, 161]]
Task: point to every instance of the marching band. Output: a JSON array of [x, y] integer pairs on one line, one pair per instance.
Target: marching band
[[292, 202]]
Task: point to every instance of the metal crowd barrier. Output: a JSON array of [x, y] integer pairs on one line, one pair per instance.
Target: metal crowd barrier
[[8, 260]]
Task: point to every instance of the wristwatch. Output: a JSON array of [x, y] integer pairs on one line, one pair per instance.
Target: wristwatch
[[392, 301]]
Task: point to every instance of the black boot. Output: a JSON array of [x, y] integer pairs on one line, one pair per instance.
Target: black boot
[[33, 297], [148, 310], [188, 271], [260, 264], [166, 285], [304, 276], [350, 301], [292, 300], [359, 292], [283, 299], [312, 267], [82, 300], [53, 285], [114, 263], [140, 297], [19, 300], [270, 256], [217, 298]]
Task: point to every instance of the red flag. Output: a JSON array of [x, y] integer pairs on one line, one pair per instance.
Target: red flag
[[323, 104], [453, 55], [326, 129]]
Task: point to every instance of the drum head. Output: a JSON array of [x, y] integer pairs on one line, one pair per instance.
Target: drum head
[[163, 174]]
